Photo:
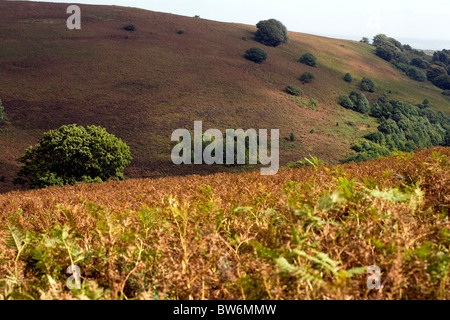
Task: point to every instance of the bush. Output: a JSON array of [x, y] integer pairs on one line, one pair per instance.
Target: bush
[[364, 40], [292, 137], [348, 77], [307, 77], [308, 59], [446, 93], [442, 82], [256, 55], [386, 51], [346, 102], [420, 63], [73, 154], [367, 85], [416, 74], [435, 71], [181, 31], [360, 102], [130, 27], [271, 33], [294, 90]]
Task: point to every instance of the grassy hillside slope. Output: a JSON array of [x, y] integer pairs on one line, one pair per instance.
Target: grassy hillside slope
[[144, 87], [303, 234]]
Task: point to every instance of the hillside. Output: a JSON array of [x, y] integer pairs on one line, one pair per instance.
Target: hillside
[[144, 86], [302, 234]]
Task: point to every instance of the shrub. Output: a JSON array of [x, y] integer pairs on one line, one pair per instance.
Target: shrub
[[386, 51], [346, 102], [360, 102], [364, 40], [446, 93], [312, 131], [308, 59], [307, 77], [416, 74], [256, 55], [367, 85], [271, 33], [442, 82], [130, 27], [294, 90], [435, 71], [379, 39], [181, 31], [292, 137], [348, 77], [420, 63], [73, 154]]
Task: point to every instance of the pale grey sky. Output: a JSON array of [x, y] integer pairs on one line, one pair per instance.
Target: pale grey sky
[[423, 24]]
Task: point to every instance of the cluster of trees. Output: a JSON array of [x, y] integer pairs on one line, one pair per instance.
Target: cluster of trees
[[402, 126], [419, 68]]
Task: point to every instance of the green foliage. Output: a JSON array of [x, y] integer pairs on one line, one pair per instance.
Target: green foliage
[[386, 51], [294, 90], [442, 56], [256, 55], [292, 137], [420, 63], [73, 154], [360, 102], [402, 126], [130, 27], [442, 82], [307, 162], [364, 40], [416, 74], [356, 101], [348, 77], [307, 77], [367, 85], [271, 33], [346, 102], [309, 59], [435, 71]]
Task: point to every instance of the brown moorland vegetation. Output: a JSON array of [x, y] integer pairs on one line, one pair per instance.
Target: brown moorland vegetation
[[142, 85], [304, 233]]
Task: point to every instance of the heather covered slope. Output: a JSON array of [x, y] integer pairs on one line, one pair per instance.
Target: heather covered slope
[[143, 87], [302, 234]]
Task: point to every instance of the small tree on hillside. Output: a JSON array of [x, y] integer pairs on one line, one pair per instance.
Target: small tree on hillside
[[73, 154], [367, 85], [256, 55], [364, 40], [271, 33], [309, 59], [307, 77], [348, 77]]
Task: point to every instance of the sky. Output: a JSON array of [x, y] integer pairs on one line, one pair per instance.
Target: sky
[[422, 24]]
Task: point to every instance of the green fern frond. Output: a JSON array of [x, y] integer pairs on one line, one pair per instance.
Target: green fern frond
[[16, 239]]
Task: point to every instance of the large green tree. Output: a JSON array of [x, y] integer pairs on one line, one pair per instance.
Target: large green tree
[[271, 33], [73, 154]]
